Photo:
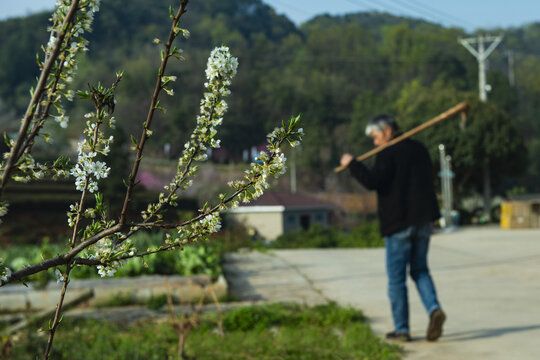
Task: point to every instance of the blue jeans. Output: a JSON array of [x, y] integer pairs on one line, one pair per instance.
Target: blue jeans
[[409, 247]]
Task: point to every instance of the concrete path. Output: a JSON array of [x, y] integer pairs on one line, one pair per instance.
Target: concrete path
[[256, 276], [488, 282]]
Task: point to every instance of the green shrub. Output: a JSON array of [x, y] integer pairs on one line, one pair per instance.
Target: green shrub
[[118, 299], [364, 235], [194, 259], [265, 316], [155, 302]]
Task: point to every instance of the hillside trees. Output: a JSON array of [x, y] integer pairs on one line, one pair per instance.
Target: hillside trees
[[489, 138], [337, 70]]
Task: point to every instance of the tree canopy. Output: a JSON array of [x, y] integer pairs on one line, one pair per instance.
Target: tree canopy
[[338, 71]]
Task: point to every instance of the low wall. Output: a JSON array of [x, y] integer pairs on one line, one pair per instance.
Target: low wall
[[183, 289]]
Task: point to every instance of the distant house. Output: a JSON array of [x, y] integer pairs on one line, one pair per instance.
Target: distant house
[[275, 213]]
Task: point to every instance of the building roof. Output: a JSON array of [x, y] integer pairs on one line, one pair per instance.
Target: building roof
[[353, 202], [288, 199], [279, 201]]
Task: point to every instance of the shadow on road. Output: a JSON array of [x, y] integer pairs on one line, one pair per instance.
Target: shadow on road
[[487, 333]]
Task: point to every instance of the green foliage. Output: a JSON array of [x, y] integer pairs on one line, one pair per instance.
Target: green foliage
[[118, 299], [18, 257], [488, 137], [282, 331], [518, 190], [192, 260], [364, 235], [266, 316], [155, 302], [338, 71]]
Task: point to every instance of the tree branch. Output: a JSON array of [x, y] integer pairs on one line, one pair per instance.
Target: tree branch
[[60, 259], [40, 87], [150, 116]]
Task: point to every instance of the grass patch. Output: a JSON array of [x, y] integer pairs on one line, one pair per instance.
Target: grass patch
[[277, 331]]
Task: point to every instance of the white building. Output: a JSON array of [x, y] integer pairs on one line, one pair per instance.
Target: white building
[[275, 213]]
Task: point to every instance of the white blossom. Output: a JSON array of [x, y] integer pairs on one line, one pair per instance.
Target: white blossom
[[221, 68], [104, 271], [3, 209], [62, 120], [211, 222], [7, 274], [59, 276]]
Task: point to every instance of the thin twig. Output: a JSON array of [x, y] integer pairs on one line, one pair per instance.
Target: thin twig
[[152, 109]]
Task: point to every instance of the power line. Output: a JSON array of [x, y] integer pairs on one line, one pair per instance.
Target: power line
[[369, 6], [377, 5], [287, 5], [441, 13], [416, 8], [401, 5], [418, 11]]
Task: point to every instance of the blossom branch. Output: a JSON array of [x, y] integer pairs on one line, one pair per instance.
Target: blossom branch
[[291, 134], [40, 88], [38, 125], [59, 260], [221, 68], [166, 53]]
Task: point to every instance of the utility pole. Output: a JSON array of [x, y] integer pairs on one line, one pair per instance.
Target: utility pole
[[481, 54], [511, 74], [293, 170], [446, 175]]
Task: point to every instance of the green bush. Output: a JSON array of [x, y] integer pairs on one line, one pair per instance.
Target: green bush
[[118, 299], [18, 257], [194, 259], [364, 235], [265, 316], [275, 331], [155, 302]]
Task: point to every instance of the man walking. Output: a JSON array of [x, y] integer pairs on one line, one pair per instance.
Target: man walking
[[402, 177]]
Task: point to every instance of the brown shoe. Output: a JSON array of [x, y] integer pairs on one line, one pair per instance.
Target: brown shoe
[[435, 328]]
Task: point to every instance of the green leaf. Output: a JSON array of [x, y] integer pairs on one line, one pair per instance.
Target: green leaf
[[83, 94]]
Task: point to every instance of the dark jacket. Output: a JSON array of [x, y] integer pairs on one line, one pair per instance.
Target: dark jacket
[[402, 177]]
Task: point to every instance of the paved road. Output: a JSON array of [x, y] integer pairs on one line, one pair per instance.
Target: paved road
[[488, 282]]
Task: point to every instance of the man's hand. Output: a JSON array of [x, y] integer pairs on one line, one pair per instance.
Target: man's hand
[[346, 159]]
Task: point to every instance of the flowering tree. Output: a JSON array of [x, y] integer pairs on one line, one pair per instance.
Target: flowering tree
[[105, 243]]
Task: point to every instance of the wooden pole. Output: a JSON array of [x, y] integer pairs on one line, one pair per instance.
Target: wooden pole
[[462, 107]]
